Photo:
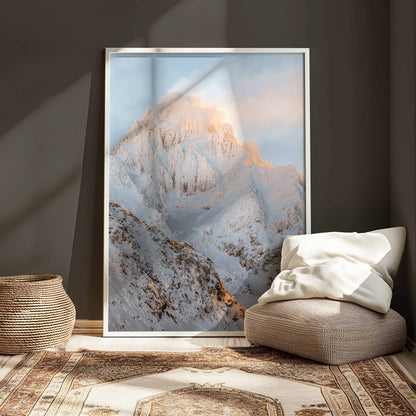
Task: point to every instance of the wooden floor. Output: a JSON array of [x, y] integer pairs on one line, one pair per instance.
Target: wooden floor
[[97, 342], [407, 361]]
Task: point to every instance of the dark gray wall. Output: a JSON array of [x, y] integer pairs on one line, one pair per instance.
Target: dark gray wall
[[403, 148], [51, 129]]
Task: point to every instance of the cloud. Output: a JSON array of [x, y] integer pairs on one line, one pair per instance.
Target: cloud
[[269, 96], [276, 103]]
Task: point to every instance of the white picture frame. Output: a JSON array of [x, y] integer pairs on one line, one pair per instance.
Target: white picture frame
[[109, 52]]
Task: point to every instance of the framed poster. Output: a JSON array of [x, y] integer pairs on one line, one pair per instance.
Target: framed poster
[[206, 171]]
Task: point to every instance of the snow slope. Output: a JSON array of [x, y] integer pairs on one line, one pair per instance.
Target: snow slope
[[161, 284]]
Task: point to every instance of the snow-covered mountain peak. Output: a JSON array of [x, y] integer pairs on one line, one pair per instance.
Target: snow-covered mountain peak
[[179, 117], [254, 155]]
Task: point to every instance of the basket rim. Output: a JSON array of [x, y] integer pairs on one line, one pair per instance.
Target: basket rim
[[30, 280]]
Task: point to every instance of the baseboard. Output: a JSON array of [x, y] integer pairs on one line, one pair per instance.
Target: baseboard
[[411, 345], [88, 326]]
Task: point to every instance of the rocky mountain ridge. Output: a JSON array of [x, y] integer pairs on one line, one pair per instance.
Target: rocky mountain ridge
[[161, 284]]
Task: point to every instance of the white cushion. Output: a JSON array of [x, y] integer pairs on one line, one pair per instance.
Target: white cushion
[[397, 239], [355, 267]]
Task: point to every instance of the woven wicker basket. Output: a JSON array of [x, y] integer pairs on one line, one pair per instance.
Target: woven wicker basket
[[35, 313]]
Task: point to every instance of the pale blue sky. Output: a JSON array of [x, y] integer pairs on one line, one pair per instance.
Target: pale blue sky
[[261, 94]]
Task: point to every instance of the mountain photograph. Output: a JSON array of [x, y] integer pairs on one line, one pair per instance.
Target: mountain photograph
[[197, 213]]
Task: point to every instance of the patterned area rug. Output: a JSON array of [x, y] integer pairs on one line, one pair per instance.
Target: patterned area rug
[[214, 381]]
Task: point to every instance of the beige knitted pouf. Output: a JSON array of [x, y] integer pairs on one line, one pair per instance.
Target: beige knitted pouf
[[329, 331], [35, 313]]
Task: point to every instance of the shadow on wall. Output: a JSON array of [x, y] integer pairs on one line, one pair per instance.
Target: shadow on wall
[[40, 173], [52, 126]]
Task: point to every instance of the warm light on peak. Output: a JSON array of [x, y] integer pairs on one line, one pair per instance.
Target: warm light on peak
[[254, 155]]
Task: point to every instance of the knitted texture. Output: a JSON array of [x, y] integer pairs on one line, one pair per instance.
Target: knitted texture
[[329, 331]]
